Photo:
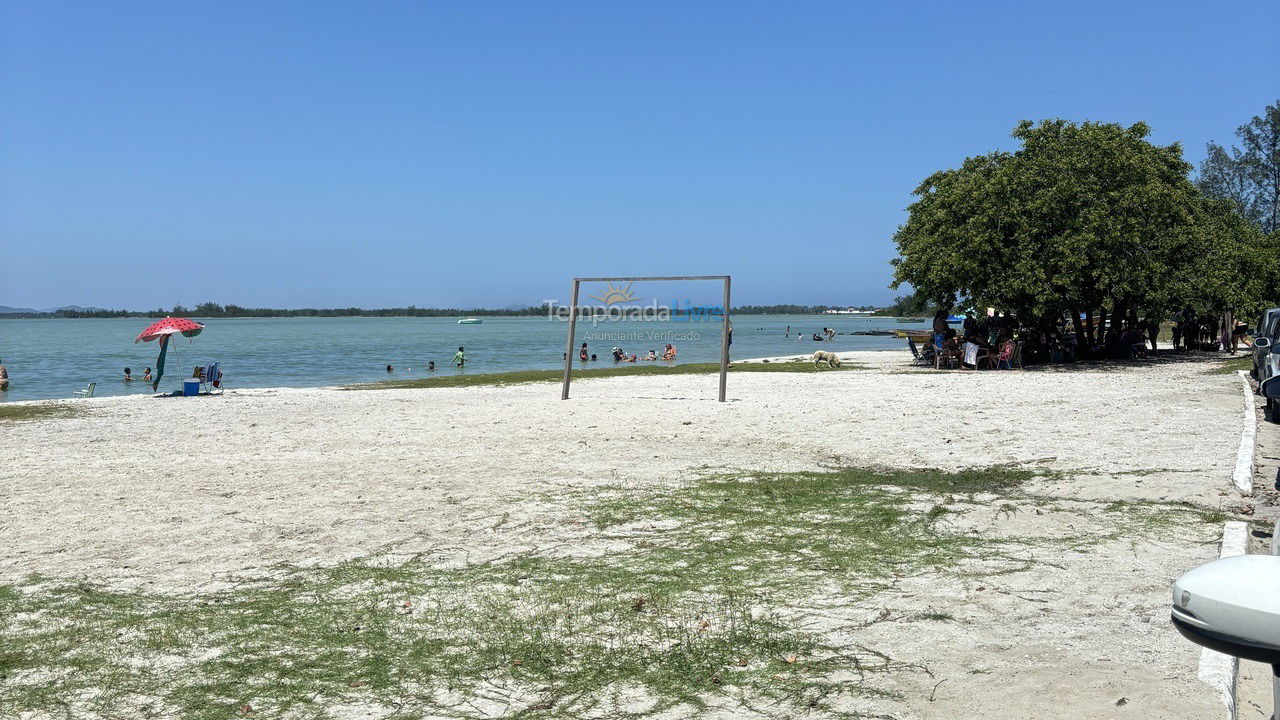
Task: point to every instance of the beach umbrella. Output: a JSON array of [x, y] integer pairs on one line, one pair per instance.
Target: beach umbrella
[[170, 326], [163, 330]]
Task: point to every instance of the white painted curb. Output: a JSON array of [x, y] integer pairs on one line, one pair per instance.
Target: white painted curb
[[1218, 670], [1243, 474]]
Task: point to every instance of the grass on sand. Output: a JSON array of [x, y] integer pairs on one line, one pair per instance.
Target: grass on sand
[[530, 376], [19, 413], [694, 596], [1232, 365]]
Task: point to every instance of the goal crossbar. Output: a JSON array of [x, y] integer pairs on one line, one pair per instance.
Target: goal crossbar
[[573, 322]]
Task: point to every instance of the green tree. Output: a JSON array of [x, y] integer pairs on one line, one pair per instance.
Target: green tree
[[1087, 217], [1248, 176]]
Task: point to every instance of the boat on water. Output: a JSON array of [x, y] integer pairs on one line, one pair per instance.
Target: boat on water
[[470, 321], [913, 333]]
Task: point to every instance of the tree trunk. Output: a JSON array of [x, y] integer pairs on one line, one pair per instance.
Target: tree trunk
[[1088, 330], [1078, 327], [1117, 314]]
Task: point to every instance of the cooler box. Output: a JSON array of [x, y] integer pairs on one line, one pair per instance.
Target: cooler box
[[190, 388]]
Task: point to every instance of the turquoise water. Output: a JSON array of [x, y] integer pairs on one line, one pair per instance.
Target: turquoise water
[[50, 358]]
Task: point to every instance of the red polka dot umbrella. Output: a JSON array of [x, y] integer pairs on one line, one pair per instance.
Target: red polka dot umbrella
[[170, 326], [163, 329]]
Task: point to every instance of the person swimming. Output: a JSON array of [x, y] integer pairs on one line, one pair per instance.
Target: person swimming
[[618, 355], [390, 369], [146, 375], [653, 355], [593, 356], [431, 366], [128, 375]]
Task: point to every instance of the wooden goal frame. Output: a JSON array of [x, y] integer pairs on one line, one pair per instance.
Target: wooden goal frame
[[573, 322]]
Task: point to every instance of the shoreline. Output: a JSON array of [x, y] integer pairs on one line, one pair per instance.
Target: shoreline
[[614, 370]]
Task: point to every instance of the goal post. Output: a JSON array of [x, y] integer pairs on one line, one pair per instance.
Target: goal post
[[573, 322]]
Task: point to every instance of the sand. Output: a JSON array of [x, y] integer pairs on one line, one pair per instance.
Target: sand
[[183, 495]]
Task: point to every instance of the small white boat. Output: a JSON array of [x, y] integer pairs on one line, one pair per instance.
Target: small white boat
[[470, 321]]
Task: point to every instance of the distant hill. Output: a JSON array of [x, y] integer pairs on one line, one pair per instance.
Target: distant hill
[[7, 310], [74, 308]]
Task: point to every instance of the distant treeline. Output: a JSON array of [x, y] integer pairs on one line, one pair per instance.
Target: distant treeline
[[215, 310]]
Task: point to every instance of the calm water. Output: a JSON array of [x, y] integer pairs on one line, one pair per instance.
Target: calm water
[[51, 358]]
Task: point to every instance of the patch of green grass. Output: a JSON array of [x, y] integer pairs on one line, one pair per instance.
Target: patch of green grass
[[936, 616], [45, 411], [531, 376], [1231, 366], [818, 526], [534, 637]]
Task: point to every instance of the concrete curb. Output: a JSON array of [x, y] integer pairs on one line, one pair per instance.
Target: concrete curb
[[1223, 671], [1243, 474]]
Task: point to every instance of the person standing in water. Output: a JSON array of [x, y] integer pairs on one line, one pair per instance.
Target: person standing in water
[[458, 357], [4, 376], [582, 354]]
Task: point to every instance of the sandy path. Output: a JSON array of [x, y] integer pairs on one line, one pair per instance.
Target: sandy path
[[177, 494]]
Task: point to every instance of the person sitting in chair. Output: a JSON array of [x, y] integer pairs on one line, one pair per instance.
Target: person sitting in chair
[[950, 348], [1004, 361]]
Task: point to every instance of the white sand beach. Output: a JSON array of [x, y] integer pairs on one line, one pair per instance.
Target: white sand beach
[[184, 496]]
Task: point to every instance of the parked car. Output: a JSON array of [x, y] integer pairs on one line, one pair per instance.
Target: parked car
[[1266, 360]]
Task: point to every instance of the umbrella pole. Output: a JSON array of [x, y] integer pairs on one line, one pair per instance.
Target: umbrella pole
[[164, 347]]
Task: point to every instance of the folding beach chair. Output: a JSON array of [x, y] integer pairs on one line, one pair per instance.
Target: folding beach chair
[[87, 392], [920, 358], [211, 378]]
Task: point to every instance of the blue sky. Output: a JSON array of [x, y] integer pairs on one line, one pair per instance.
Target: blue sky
[[481, 153]]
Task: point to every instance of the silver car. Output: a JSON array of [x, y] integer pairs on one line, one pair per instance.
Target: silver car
[[1266, 360]]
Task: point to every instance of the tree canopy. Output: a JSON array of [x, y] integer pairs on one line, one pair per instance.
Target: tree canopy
[[1085, 217]]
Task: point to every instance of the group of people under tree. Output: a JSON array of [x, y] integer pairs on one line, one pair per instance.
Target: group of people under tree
[[992, 338], [998, 337]]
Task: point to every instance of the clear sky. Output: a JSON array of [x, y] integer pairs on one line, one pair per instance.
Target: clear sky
[[481, 153]]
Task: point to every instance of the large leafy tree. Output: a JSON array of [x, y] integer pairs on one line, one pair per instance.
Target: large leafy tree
[[1087, 217]]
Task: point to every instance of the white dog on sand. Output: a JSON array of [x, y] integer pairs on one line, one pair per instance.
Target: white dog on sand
[[830, 358]]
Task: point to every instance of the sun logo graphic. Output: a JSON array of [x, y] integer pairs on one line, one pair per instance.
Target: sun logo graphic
[[614, 294]]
